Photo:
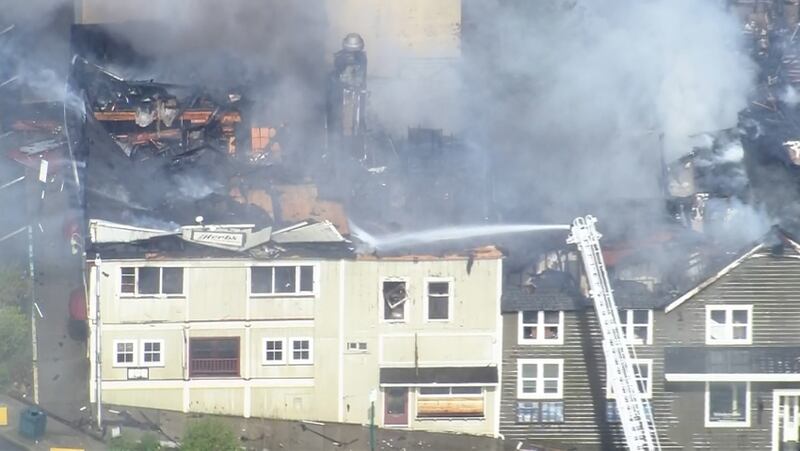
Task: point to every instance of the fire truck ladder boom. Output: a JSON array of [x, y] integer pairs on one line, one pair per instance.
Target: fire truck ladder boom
[[634, 409]]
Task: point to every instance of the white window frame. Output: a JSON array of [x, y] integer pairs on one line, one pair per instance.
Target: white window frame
[[426, 299], [540, 340], [451, 394], [628, 326], [310, 360], [357, 349], [728, 309], [142, 362], [382, 301], [136, 293], [297, 266], [264, 360], [540, 379], [727, 424], [646, 395], [134, 351]]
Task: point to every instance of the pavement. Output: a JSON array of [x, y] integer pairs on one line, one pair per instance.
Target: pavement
[[58, 434]]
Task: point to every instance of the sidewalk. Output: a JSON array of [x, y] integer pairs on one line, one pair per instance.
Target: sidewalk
[[57, 434]]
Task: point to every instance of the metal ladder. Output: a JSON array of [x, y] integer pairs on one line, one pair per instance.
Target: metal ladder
[[634, 410]]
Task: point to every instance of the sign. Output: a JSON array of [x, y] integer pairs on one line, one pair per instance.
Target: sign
[[228, 239]]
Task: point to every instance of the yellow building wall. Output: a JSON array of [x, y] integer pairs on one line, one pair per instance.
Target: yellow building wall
[[291, 403], [216, 293], [219, 401], [154, 398]]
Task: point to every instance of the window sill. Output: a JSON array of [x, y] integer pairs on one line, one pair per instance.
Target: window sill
[[394, 321], [545, 423], [554, 397], [727, 424], [152, 365], [274, 363], [301, 363], [456, 418], [729, 342], [152, 297], [540, 342], [282, 295]]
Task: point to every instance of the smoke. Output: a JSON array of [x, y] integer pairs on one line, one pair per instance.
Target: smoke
[[273, 49], [579, 101]]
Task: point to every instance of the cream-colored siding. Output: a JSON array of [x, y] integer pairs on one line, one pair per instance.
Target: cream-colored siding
[[343, 307]]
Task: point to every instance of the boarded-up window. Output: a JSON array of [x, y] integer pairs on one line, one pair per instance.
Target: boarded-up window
[[450, 402]]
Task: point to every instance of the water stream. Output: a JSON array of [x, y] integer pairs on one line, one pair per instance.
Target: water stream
[[399, 240]]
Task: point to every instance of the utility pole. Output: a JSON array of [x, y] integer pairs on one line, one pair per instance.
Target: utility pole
[[373, 396], [98, 372], [34, 341]]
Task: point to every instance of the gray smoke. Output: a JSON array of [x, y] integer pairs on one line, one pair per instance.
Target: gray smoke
[[579, 100]]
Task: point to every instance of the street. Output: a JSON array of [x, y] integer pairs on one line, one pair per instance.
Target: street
[[62, 363]]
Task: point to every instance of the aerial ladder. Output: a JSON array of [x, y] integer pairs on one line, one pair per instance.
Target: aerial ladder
[[634, 409]]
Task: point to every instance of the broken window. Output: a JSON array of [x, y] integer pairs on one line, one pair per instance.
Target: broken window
[[394, 300], [439, 301], [151, 281], [282, 280]]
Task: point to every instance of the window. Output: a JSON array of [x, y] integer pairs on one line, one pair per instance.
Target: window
[[540, 378], [290, 280], [637, 326], [541, 327], [540, 412], [612, 413], [727, 404], [356, 346], [643, 370], [728, 324], [124, 353], [438, 308], [450, 402], [394, 300], [274, 352], [152, 352], [151, 281], [214, 357], [301, 351]]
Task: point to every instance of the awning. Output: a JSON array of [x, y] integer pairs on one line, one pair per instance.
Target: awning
[[473, 375]]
